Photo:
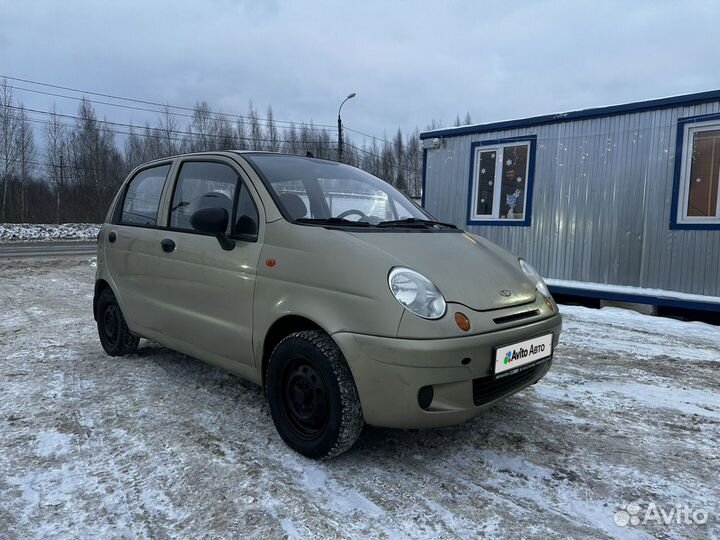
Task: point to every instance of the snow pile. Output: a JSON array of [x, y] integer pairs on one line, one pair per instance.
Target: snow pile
[[624, 289], [37, 231]]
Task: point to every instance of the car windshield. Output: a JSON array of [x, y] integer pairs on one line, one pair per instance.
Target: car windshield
[[313, 190]]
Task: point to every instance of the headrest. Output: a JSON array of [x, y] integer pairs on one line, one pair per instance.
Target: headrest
[[214, 199], [294, 205]]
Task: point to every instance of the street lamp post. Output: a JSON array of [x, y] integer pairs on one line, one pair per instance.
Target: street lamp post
[[340, 133]]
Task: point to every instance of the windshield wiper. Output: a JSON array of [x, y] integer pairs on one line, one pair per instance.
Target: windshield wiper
[[333, 221], [416, 222]]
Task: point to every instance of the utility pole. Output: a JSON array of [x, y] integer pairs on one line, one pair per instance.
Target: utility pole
[[340, 133], [340, 139]]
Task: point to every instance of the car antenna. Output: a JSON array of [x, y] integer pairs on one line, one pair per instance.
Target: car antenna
[[309, 154]]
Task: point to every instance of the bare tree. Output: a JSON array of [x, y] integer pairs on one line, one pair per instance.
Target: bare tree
[[56, 148], [387, 162], [9, 150], [414, 161], [272, 132], [26, 158], [222, 134], [168, 128], [95, 163], [293, 140], [152, 143], [305, 142], [201, 127], [255, 129], [241, 134], [399, 150], [133, 149]]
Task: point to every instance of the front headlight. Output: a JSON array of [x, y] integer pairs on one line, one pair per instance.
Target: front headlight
[[535, 278], [417, 293]]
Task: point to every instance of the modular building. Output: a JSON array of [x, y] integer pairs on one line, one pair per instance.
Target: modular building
[[619, 202]]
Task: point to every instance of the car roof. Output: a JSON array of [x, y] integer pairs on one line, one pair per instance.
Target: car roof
[[227, 153]]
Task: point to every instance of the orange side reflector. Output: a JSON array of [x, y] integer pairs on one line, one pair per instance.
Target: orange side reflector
[[270, 262], [462, 321]]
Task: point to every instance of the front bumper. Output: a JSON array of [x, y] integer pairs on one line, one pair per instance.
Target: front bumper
[[389, 372]]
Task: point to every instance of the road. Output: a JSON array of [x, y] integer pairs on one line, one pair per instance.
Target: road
[[18, 250]]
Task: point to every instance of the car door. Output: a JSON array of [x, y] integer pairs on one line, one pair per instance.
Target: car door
[[209, 290], [132, 247]]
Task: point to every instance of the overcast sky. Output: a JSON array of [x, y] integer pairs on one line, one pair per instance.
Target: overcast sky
[[409, 62]]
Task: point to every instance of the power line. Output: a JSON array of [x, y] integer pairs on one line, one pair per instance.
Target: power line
[[156, 104], [163, 132], [160, 132], [54, 166], [373, 137], [261, 121], [376, 156]]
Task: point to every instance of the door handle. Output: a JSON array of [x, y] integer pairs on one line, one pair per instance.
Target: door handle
[[112, 237], [167, 245]]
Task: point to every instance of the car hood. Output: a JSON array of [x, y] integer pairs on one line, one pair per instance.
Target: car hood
[[467, 269]]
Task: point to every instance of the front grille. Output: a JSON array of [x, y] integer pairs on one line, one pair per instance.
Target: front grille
[[517, 316], [486, 389]]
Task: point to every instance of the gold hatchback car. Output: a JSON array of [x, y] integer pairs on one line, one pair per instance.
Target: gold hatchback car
[[346, 301]]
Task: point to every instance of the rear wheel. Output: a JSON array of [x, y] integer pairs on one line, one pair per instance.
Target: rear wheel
[[312, 396], [114, 334]]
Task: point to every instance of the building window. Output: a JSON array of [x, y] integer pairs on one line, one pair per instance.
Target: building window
[[699, 185], [501, 182]]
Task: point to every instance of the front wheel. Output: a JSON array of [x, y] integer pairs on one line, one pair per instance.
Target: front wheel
[[312, 396]]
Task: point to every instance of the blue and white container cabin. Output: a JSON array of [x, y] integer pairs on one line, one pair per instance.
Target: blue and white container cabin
[[619, 203]]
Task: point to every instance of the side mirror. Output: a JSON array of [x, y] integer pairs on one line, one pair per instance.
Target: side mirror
[[213, 221]]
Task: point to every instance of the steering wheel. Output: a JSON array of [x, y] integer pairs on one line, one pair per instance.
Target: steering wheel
[[350, 212]]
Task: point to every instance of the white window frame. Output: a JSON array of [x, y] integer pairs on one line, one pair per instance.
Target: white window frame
[[497, 181], [686, 167]]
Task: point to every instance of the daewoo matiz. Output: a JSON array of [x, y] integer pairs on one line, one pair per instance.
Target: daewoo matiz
[[347, 302]]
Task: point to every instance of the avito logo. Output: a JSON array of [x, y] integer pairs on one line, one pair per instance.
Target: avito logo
[[523, 352]]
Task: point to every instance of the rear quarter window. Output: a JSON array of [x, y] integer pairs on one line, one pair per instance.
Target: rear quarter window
[[142, 199]]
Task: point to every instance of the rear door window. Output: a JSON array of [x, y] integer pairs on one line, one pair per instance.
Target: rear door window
[[142, 199]]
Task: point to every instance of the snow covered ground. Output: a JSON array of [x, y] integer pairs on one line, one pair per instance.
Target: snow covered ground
[[24, 232], [158, 445]]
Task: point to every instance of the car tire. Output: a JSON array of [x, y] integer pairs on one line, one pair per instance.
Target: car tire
[[115, 336], [312, 396]]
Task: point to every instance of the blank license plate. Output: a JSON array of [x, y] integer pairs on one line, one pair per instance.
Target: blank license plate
[[520, 354]]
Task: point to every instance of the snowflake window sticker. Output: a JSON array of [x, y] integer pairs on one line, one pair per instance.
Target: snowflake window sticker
[[482, 171], [508, 162]]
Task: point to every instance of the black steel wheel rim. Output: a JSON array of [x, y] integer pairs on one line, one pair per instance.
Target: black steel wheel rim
[[111, 323], [304, 398]]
